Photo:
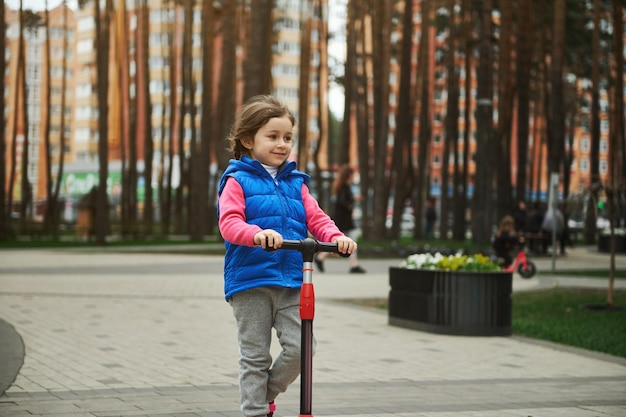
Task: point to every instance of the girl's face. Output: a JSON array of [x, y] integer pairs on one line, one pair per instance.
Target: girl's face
[[272, 142]]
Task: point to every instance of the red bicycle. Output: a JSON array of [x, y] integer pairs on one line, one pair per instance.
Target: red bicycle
[[521, 264]]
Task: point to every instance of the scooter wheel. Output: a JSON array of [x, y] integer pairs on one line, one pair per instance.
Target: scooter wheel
[[528, 272]]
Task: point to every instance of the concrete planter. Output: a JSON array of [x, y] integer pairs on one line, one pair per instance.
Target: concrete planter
[[470, 303], [604, 243]]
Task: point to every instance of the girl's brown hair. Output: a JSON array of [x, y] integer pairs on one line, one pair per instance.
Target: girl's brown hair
[[255, 113]]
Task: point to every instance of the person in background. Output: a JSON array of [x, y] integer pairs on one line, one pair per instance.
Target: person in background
[[520, 216], [505, 239], [566, 239], [533, 227], [343, 215], [553, 221], [431, 219], [535, 218], [263, 199]]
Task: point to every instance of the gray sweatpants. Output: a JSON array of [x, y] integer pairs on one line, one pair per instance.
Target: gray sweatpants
[[258, 310]]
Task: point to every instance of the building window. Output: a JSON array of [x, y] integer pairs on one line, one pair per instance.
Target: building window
[[584, 144], [604, 145], [83, 113], [286, 23], [85, 45], [604, 125], [82, 135], [85, 24], [84, 90], [584, 165], [286, 47]]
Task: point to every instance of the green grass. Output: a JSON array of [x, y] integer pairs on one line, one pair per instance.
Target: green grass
[[568, 316], [562, 315], [587, 273]]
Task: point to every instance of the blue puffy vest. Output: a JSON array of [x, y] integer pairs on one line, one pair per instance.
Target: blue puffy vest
[[271, 203]]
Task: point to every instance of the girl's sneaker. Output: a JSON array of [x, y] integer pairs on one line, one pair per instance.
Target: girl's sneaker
[[272, 405]]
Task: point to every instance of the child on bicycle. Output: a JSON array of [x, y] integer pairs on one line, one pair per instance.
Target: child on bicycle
[[506, 239]]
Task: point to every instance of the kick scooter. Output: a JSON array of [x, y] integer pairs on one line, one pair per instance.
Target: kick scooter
[[308, 247]]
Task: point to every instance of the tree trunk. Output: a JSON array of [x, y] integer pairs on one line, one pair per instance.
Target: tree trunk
[[57, 185], [451, 126], [148, 211], [228, 29], [258, 58], [4, 218], [130, 223], [323, 146], [524, 62], [619, 169], [425, 126], [304, 82], [166, 212], [461, 203], [349, 83], [226, 103], [617, 189], [481, 201], [360, 113], [207, 208], [102, 56], [402, 162], [182, 192], [50, 211], [594, 156], [26, 190], [557, 129], [124, 110], [16, 100], [164, 130], [381, 18], [505, 111]]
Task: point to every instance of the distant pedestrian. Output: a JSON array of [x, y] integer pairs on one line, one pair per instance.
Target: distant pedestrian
[[553, 223], [535, 218], [343, 214], [520, 217], [431, 219], [537, 241]]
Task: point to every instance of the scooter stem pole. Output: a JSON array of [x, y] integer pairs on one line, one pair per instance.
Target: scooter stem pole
[[307, 312], [308, 248]]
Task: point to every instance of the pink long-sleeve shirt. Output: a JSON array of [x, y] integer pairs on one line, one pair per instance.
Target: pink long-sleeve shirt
[[235, 229]]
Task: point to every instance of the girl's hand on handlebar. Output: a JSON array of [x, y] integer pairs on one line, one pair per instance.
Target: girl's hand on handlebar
[[268, 238], [346, 245]]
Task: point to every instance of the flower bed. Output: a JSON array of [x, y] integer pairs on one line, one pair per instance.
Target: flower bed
[[457, 262], [459, 294]]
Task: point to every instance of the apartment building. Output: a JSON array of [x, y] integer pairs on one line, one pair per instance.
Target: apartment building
[[41, 118], [72, 38]]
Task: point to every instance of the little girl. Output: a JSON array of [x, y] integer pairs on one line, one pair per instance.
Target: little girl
[[263, 199]]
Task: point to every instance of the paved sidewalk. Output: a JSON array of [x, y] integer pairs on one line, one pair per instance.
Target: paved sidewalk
[[132, 334]]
